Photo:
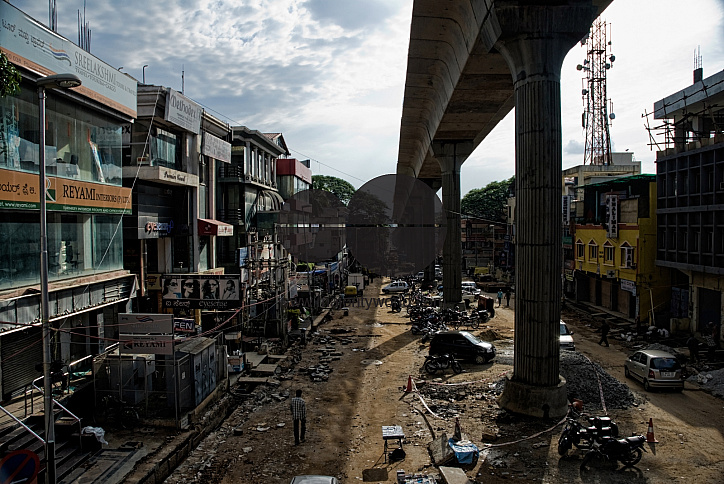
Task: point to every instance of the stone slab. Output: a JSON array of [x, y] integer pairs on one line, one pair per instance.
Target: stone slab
[[454, 475]]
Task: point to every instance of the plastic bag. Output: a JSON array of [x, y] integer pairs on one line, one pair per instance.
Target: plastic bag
[[97, 431]]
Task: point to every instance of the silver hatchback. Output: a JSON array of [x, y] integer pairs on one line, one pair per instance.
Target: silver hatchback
[[655, 369]]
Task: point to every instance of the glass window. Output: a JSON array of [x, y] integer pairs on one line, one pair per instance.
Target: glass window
[[592, 252], [163, 149], [79, 143], [107, 242], [608, 254], [580, 251]]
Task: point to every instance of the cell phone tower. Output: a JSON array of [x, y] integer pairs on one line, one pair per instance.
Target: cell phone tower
[[596, 118]]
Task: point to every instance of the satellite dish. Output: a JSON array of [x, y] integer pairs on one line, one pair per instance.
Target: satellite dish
[[579, 67], [612, 116]]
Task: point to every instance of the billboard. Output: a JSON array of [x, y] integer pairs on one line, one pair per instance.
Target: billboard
[[197, 291]]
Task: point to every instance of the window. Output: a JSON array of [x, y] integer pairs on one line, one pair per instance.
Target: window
[[608, 253], [592, 251], [580, 251], [627, 256]]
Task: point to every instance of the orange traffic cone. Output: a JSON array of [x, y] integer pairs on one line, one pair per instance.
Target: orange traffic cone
[[409, 384], [650, 433]]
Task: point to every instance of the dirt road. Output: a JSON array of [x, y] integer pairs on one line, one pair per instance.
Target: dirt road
[[377, 355]]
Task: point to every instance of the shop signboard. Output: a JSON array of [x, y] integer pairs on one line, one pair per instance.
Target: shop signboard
[[20, 190], [183, 112], [141, 344], [216, 148], [201, 291], [144, 323], [31, 45]]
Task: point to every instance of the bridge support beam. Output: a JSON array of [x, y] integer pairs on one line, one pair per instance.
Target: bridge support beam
[[451, 155], [534, 40]]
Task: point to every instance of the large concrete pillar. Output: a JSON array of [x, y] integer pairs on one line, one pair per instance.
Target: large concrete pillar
[[451, 155], [534, 41]]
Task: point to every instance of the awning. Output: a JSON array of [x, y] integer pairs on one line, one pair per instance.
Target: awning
[[269, 201], [214, 227]]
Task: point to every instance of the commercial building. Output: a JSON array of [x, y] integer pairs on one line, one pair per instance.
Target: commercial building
[[690, 181], [85, 199]]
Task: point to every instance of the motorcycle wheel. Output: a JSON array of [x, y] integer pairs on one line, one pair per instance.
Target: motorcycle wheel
[[564, 444], [415, 330], [633, 457], [431, 367], [586, 459], [457, 367], [475, 324]]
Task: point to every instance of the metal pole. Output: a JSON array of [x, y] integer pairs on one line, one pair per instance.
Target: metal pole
[[50, 476]]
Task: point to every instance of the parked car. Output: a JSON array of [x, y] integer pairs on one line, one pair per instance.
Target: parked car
[[397, 286], [463, 346], [655, 369], [314, 480], [566, 338]]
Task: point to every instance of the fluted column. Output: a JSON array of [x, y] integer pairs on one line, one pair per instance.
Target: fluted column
[[534, 41], [451, 155]]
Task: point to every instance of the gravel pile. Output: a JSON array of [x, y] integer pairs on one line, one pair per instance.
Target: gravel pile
[[580, 374], [710, 381]]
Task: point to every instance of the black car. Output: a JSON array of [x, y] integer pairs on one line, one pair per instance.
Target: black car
[[463, 345]]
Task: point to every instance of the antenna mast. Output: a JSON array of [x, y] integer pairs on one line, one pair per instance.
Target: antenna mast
[[84, 32], [52, 16], [595, 118]]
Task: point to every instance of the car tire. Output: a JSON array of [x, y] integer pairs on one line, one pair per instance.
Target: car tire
[[626, 373], [480, 359], [385, 291], [647, 387]]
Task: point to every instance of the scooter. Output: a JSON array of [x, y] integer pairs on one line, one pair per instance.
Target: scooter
[[628, 451], [434, 363], [596, 429]]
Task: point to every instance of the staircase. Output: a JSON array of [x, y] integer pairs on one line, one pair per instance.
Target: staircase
[[70, 449]]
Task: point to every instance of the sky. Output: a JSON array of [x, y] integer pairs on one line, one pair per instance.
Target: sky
[[330, 74]]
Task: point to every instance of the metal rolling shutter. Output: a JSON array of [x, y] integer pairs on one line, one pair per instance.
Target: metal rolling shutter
[[20, 351]]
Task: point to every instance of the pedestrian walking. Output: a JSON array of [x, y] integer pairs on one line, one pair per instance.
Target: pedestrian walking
[[299, 414], [507, 298], [500, 297], [693, 344], [605, 328]]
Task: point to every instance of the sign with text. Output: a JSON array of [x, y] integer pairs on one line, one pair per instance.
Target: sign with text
[[183, 112], [184, 325], [201, 291], [20, 190], [31, 45], [144, 323], [216, 148], [139, 344]]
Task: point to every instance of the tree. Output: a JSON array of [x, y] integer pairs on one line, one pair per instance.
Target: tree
[[9, 77], [341, 188], [488, 202]]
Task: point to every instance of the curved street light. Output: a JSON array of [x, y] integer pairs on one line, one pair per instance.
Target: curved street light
[[56, 81]]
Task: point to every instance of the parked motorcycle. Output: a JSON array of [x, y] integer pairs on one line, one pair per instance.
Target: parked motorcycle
[[584, 434], [435, 363], [396, 304], [628, 451]]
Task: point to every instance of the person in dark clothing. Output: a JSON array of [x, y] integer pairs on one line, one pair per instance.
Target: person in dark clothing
[[507, 298], [604, 333], [711, 340], [693, 344], [299, 415]]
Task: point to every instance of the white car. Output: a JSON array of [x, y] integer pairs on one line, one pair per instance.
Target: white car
[[309, 479], [397, 286], [566, 338], [470, 287]]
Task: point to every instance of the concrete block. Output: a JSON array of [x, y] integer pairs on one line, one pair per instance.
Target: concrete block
[[453, 475], [440, 451]]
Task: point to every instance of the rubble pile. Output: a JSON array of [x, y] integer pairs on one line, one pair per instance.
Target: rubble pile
[[580, 374], [451, 401], [710, 381]]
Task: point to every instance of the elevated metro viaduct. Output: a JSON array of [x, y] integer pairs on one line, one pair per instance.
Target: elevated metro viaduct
[[469, 63]]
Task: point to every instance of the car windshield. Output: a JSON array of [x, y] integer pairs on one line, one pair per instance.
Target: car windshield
[[470, 337], [665, 364], [564, 329]]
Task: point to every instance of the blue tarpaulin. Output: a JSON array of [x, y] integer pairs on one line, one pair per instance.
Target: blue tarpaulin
[[465, 451]]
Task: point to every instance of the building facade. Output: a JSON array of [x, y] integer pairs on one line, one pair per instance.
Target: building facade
[[615, 250], [690, 180], [85, 201]]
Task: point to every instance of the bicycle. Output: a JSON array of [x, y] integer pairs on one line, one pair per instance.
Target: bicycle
[[114, 411]]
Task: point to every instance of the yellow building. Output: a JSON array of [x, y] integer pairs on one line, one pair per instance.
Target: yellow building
[[615, 249]]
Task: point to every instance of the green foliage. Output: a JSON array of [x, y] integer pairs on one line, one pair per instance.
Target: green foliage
[[488, 202], [341, 188], [9, 77]]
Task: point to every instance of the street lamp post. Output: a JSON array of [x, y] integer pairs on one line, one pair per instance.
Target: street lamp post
[[63, 81]]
